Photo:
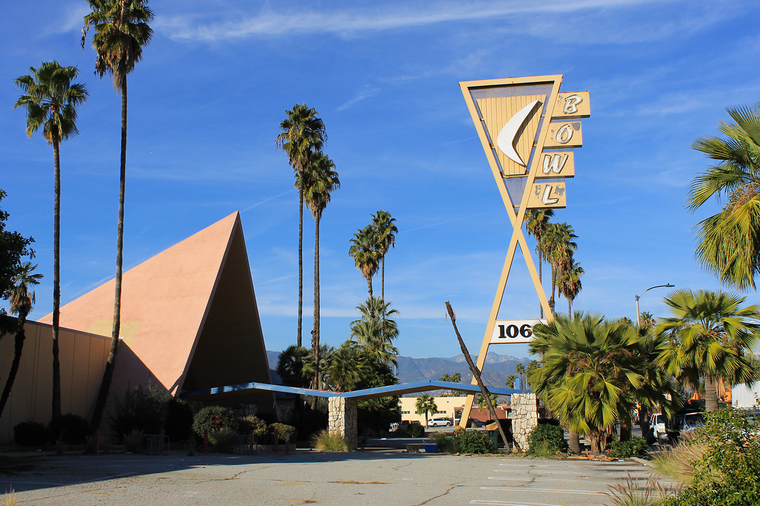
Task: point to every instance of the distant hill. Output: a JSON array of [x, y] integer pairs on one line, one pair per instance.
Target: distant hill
[[495, 372]]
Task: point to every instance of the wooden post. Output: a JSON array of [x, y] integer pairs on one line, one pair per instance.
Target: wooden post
[[476, 374]]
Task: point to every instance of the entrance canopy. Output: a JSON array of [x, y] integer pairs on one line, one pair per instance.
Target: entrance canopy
[[233, 391]]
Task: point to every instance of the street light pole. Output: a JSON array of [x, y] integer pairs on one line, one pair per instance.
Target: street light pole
[[642, 293]]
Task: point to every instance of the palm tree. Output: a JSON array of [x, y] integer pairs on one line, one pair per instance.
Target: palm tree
[[729, 241], [536, 223], [590, 373], [386, 238], [295, 369], [426, 404], [365, 254], [376, 330], [349, 366], [21, 302], [51, 100], [318, 183], [121, 32], [482, 402], [558, 248], [710, 336], [511, 380], [520, 370], [569, 284], [646, 321], [303, 134]]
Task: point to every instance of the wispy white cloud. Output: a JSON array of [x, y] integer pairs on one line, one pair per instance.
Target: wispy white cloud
[[346, 21], [365, 92]]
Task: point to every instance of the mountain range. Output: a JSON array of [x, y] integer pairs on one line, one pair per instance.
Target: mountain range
[[495, 372]]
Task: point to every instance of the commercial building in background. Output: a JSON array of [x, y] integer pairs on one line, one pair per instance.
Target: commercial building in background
[[449, 408]]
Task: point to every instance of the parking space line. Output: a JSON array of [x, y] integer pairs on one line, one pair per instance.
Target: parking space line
[[510, 503], [546, 490]]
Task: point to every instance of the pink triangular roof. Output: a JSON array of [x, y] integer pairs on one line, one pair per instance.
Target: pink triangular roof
[[166, 302]]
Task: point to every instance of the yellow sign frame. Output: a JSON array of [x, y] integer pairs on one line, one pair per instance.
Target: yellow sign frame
[[557, 107]]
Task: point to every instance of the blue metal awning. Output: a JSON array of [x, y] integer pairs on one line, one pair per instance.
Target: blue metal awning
[[367, 393]]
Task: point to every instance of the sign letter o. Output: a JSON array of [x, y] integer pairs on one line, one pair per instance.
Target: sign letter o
[[512, 331], [564, 134]]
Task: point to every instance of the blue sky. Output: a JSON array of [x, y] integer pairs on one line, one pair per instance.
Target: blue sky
[[206, 102]]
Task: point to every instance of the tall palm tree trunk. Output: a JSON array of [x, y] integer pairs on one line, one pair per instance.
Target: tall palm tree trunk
[[56, 280], [18, 348], [382, 280], [315, 332], [540, 277], [711, 394], [371, 306], [300, 262], [105, 385], [574, 442]]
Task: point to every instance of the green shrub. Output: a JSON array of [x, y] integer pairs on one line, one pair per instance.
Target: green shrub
[[179, 420], [473, 441], [546, 440], [134, 440], [212, 418], [330, 441], [141, 409], [31, 434], [634, 447], [69, 429], [726, 473], [251, 423], [445, 443], [222, 440], [415, 430], [282, 429]]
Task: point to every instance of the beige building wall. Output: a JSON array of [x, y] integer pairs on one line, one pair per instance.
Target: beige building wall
[[82, 357]]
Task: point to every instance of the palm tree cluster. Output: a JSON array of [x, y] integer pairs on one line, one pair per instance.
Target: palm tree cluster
[[593, 371], [51, 99], [364, 361], [555, 245], [302, 138]]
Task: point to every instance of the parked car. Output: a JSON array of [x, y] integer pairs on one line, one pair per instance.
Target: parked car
[[439, 422], [692, 421], [658, 431], [474, 422]]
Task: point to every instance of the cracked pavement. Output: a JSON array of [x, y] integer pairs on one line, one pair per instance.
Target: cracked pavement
[[379, 477]]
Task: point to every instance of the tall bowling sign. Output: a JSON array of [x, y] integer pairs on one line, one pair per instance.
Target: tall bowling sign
[[528, 130]]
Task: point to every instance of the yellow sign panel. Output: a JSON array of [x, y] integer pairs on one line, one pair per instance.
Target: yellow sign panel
[[556, 164], [574, 105], [511, 124], [565, 134], [547, 195]]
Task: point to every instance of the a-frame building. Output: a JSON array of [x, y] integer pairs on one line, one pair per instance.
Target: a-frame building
[[189, 318]]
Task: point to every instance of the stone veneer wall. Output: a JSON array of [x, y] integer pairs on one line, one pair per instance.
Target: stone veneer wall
[[342, 419], [524, 417]]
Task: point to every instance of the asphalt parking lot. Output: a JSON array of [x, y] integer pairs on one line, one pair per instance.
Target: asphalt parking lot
[[370, 477]]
